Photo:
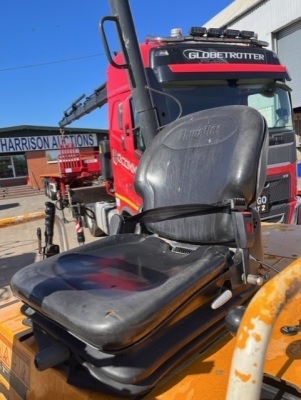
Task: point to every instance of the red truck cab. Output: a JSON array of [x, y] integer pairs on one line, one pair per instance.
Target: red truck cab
[[205, 70]]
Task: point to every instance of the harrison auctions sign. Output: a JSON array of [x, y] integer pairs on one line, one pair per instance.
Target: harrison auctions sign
[[34, 143]]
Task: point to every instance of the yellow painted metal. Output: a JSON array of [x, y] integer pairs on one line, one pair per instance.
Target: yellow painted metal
[[280, 240], [202, 378], [205, 377], [21, 219], [18, 375], [283, 359], [255, 330]]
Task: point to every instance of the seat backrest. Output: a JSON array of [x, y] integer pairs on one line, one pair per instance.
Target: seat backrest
[[204, 158]]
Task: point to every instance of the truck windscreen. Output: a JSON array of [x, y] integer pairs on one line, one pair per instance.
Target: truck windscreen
[[269, 98]]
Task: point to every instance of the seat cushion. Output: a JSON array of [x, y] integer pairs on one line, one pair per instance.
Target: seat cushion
[[115, 291]]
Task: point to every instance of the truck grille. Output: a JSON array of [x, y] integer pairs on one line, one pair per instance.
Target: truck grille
[[278, 188], [278, 213]]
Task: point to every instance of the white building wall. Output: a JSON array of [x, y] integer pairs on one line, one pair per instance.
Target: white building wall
[[265, 17]]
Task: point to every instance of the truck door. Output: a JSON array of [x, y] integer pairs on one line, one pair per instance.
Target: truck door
[[126, 152]]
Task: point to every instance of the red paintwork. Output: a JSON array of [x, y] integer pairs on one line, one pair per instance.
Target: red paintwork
[[72, 162], [124, 158], [291, 170], [215, 67]]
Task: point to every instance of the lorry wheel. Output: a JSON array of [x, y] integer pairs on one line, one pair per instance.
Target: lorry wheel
[[91, 221], [48, 192], [52, 194]]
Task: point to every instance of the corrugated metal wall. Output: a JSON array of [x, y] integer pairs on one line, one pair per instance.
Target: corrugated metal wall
[[289, 50], [234, 10], [264, 17]]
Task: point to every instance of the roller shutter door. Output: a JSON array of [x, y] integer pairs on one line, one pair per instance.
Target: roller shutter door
[[289, 51]]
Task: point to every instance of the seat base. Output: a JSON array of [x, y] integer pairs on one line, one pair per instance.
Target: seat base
[[136, 371], [127, 309], [114, 292]]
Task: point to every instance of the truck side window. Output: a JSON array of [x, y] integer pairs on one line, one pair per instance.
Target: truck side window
[[138, 138]]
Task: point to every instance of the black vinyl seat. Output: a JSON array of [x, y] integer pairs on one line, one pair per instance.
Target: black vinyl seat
[[110, 302], [119, 290]]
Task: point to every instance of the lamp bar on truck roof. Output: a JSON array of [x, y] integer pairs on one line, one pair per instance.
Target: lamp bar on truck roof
[[231, 33], [198, 31], [247, 34], [215, 32], [202, 34]]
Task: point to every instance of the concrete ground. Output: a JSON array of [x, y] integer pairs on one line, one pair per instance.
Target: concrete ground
[[19, 244]]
